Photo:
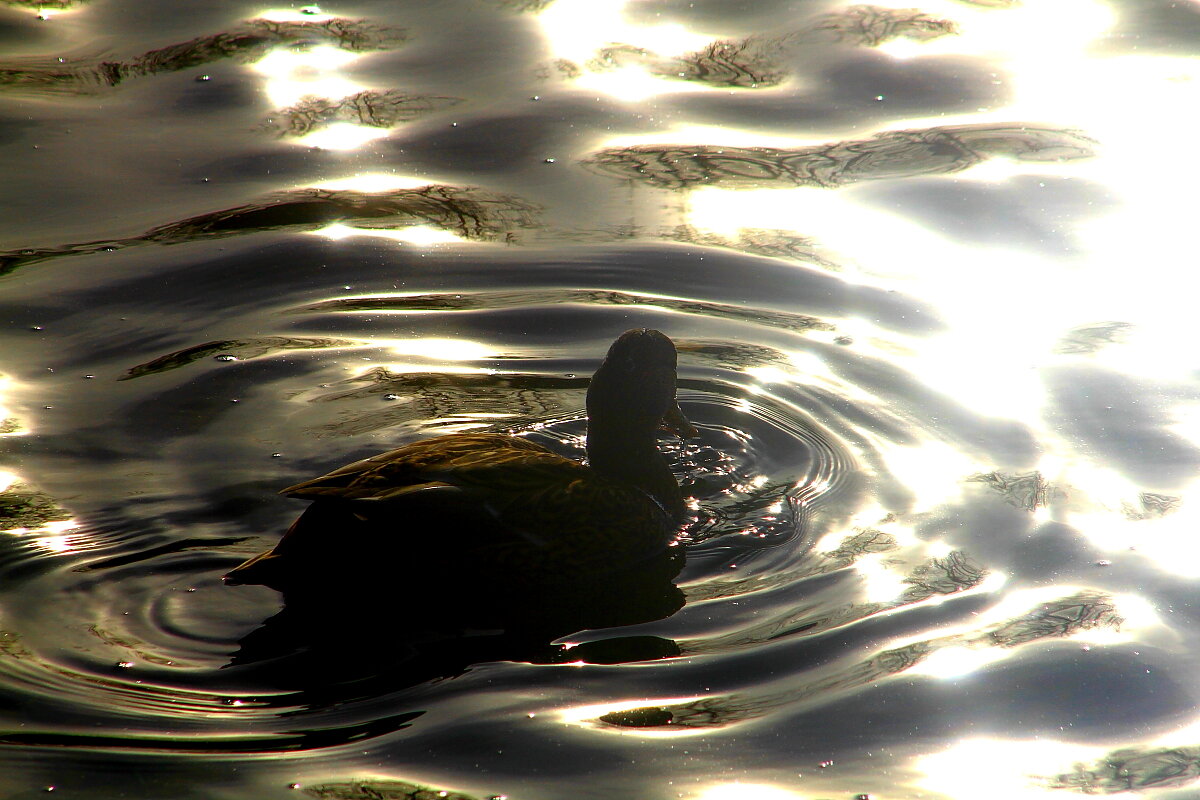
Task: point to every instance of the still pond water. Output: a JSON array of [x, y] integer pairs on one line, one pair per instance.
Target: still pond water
[[923, 266]]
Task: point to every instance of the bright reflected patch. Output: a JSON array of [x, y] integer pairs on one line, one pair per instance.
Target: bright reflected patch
[[994, 769], [440, 349], [631, 84], [5, 421], [955, 662], [902, 48], [932, 470], [578, 29], [769, 375], [54, 544], [884, 583], [53, 537], [7, 479], [425, 235], [342, 136], [373, 183], [293, 75], [305, 14], [746, 791], [1109, 511]]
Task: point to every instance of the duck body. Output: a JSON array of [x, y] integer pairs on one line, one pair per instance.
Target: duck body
[[493, 511]]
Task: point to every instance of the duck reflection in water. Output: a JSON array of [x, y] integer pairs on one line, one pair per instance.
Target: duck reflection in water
[[478, 547]]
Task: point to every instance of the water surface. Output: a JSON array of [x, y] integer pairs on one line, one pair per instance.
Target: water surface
[[924, 268]]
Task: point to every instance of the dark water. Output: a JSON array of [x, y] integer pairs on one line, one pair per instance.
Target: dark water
[[923, 267]]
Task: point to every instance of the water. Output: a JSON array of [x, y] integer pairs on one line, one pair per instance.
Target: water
[[924, 269]]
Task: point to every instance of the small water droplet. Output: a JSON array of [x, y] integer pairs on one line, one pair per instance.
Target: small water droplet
[[203, 78], [825, 764], [843, 340], [310, 10], [570, 374], [235, 401], [124, 664], [293, 786], [391, 397], [276, 455], [35, 327], [548, 161], [225, 357], [535, 98], [88, 377], [1104, 562]]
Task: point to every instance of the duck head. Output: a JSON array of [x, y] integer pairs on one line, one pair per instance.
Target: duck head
[[632, 395]]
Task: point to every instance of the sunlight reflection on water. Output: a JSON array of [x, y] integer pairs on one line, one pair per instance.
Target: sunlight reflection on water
[[927, 272]]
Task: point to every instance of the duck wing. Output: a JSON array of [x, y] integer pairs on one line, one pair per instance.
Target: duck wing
[[487, 463]]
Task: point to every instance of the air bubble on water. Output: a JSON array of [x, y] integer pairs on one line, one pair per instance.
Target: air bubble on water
[[203, 78], [276, 455], [548, 161], [124, 664], [1104, 562], [225, 357], [391, 397]]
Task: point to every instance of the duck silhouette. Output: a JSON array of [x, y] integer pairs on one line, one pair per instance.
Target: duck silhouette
[[482, 518]]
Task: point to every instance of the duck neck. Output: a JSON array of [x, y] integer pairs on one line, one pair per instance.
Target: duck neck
[[631, 457]]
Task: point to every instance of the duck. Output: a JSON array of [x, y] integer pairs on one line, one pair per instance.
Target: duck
[[494, 511]]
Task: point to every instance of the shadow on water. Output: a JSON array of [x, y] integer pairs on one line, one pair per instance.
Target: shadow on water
[[342, 642]]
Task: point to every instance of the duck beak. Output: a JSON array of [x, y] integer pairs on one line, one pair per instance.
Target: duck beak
[[675, 422]]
